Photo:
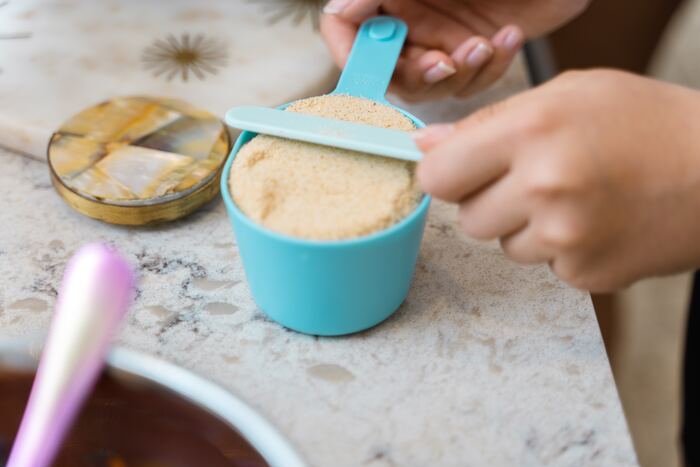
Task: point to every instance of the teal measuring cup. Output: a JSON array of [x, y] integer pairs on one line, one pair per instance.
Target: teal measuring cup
[[331, 288]]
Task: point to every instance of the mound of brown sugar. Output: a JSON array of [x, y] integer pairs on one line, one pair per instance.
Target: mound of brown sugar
[[324, 193]]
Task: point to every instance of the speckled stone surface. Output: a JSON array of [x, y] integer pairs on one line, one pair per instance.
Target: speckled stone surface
[[487, 363]]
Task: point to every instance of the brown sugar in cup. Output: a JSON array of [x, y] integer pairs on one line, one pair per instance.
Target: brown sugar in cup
[[323, 193], [335, 287]]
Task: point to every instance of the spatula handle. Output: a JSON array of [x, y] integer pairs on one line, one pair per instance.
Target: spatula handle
[[326, 131], [372, 59], [94, 296]]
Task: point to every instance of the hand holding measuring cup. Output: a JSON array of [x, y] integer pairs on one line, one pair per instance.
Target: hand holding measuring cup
[[454, 47]]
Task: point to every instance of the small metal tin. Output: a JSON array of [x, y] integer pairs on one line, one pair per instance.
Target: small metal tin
[[138, 160]]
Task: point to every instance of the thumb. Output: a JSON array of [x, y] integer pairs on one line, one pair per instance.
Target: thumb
[[432, 135], [352, 10]]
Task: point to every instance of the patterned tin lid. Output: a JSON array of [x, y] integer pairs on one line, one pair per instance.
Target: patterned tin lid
[[138, 160]]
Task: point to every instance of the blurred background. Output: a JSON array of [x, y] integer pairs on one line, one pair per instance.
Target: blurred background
[[644, 326]]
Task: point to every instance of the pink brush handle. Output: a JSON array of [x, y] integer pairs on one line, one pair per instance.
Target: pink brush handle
[[94, 297]]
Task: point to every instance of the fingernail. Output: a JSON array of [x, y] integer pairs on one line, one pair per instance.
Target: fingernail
[[513, 39], [438, 72], [472, 52], [479, 55], [432, 135], [510, 38], [335, 7]]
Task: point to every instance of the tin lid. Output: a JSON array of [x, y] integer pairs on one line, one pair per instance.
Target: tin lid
[[138, 160]]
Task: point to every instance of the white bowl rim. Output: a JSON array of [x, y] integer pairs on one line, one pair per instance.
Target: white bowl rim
[[264, 437], [258, 431]]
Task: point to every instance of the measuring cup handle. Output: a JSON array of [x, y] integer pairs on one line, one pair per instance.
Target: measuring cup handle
[[373, 58]]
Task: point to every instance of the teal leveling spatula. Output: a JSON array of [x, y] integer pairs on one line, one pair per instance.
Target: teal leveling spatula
[[377, 46]]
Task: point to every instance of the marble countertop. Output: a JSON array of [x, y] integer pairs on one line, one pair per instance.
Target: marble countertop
[[486, 364], [58, 57]]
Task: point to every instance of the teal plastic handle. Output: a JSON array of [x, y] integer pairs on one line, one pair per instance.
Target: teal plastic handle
[[331, 288], [372, 59]]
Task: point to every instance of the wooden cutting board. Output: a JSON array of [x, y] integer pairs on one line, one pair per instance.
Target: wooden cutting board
[[60, 56]]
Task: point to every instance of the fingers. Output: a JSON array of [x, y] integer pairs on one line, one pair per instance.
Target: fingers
[[354, 11], [418, 69], [431, 136], [493, 212], [457, 168], [339, 36], [428, 26], [508, 110], [425, 59], [461, 159], [524, 246], [506, 45], [472, 67], [465, 13], [473, 53], [447, 57], [469, 58], [412, 82]]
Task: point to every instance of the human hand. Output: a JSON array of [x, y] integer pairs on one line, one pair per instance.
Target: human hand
[[596, 173], [454, 47]]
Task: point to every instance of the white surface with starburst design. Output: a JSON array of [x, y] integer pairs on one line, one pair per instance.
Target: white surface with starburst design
[[60, 56]]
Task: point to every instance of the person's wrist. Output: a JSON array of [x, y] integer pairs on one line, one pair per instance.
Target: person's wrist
[[678, 174]]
